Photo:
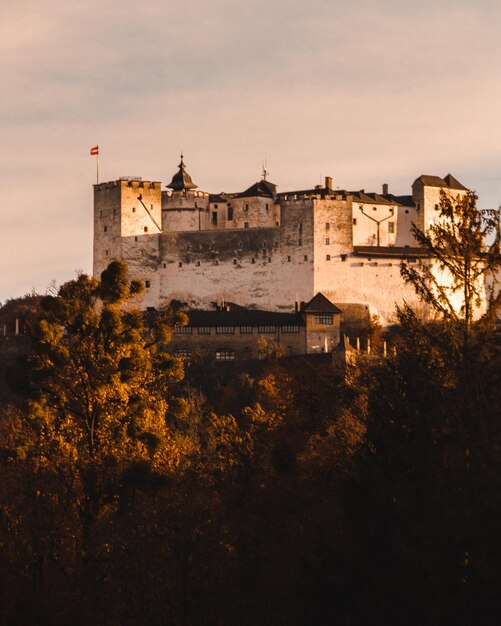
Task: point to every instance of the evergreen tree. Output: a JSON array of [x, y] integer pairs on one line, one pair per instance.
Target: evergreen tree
[[433, 478]]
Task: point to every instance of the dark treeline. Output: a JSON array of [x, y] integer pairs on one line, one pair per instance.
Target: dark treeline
[[140, 490]]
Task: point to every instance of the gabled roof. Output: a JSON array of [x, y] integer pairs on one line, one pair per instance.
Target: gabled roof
[[320, 304], [453, 183], [262, 188], [182, 180], [449, 182]]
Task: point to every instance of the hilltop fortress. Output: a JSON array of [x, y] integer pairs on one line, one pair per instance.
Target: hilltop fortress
[[262, 248]]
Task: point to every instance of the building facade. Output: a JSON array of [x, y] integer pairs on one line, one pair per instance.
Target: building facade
[[262, 248], [233, 333]]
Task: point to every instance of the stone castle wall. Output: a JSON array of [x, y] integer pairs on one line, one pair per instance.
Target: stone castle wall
[[258, 251]]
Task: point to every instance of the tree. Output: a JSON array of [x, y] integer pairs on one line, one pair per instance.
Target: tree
[[95, 428], [455, 285], [431, 462]]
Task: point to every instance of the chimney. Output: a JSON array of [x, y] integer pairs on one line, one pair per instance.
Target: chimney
[[385, 189], [328, 182]]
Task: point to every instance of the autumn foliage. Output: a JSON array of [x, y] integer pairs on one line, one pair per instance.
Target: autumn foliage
[[138, 489]]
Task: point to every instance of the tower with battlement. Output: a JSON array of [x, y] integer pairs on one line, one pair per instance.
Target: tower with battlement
[[263, 248]]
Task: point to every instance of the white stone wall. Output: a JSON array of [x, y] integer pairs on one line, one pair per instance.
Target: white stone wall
[[427, 200], [107, 228], [135, 218], [185, 210], [365, 229], [256, 212], [406, 216], [266, 266]]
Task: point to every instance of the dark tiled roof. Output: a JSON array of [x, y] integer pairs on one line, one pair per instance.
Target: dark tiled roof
[[182, 180], [378, 199], [320, 304], [448, 182], [322, 191], [262, 188], [453, 183], [217, 197], [432, 181], [404, 201], [243, 317]]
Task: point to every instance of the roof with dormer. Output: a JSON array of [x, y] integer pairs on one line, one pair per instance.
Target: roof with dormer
[[182, 180]]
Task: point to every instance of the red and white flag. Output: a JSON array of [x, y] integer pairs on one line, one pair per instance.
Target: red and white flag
[[94, 151]]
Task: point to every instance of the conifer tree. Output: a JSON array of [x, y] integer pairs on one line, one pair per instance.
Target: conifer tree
[[432, 445]]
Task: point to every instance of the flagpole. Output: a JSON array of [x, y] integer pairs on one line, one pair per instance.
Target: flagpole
[[97, 168]]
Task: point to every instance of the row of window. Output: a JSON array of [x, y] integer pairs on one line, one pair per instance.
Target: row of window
[[221, 355], [325, 318], [391, 227], [230, 330], [235, 261]]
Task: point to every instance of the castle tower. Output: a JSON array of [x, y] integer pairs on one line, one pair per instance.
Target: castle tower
[[127, 225], [184, 208], [426, 196]]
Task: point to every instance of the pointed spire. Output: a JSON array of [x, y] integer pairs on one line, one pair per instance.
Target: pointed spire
[[182, 180]]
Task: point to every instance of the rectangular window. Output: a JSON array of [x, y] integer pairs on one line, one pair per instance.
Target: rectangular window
[[106, 252], [225, 330], [182, 330], [246, 207], [133, 209], [214, 217], [204, 330], [246, 224], [323, 319], [300, 242], [105, 229], [327, 226], [391, 227], [300, 227], [182, 353], [267, 207], [246, 330], [327, 241], [147, 284], [230, 213], [165, 265], [135, 239], [290, 329], [180, 264], [288, 259], [305, 257], [145, 229], [354, 221], [327, 257], [267, 330], [225, 355]]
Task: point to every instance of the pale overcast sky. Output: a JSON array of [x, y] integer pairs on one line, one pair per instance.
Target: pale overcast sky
[[364, 91]]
